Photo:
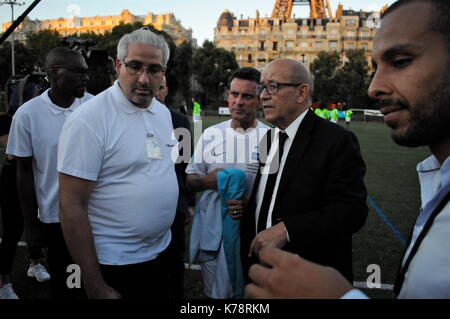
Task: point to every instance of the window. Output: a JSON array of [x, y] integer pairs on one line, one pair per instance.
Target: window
[[364, 46], [332, 45], [350, 22], [275, 46], [103, 22], [351, 46], [261, 47], [318, 44], [304, 44], [289, 44], [249, 60]]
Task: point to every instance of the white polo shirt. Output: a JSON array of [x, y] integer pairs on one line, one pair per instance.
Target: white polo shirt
[[223, 147], [133, 203], [35, 133]]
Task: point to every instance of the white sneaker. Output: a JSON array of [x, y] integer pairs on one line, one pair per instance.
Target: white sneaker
[[39, 272], [7, 292]]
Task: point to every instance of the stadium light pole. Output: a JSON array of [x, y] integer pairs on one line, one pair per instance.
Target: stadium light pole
[[12, 3]]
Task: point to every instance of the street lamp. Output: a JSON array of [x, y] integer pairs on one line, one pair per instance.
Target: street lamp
[[12, 3]]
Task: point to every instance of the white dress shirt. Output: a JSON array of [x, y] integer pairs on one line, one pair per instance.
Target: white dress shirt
[[291, 131]]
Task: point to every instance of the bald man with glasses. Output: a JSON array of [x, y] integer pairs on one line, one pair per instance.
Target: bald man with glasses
[[309, 196]]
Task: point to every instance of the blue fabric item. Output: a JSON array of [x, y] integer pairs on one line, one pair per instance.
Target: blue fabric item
[[232, 184]]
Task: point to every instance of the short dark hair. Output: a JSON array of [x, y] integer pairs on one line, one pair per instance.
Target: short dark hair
[[59, 55], [250, 74], [442, 13]]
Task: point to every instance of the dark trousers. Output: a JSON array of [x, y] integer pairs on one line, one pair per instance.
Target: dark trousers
[[58, 258], [175, 257], [147, 280], [13, 221]]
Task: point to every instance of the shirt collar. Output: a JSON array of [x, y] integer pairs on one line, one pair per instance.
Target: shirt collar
[[432, 164], [55, 109], [429, 164], [292, 129], [125, 104]]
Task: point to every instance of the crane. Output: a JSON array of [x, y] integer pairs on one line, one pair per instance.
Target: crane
[[282, 9]]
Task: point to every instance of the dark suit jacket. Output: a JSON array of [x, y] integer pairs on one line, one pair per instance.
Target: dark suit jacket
[[321, 197], [186, 198]]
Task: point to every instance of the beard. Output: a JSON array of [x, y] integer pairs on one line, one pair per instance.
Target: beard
[[430, 119]]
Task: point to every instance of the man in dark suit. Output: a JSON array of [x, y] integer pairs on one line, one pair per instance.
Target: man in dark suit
[[186, 201], [315, 198]]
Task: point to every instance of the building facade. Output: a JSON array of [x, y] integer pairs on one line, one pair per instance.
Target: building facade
[[257, 41], [100, 24]]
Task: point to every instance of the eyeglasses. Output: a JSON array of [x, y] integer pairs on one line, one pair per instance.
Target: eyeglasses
[[273, 87], [137, 68]]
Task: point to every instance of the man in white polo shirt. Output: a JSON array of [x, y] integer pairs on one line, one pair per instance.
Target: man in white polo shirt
[[229, 144], [33, 140], [118, 188]]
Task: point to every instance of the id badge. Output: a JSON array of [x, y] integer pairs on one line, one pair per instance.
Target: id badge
[[153, 149]]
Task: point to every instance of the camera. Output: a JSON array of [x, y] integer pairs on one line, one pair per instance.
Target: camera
[[101, 66], [72, 43]]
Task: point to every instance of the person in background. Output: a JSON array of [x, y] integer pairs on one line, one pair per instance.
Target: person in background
[[348, 116], [196, 112], [182, 108], [13, 223], [334, 116], [234, 146], [33, 140], [185, 208]]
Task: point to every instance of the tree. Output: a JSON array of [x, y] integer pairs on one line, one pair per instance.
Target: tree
[[324, 70], [353, 80], [23, 62], [212, 68], [183, 69], [39, 44]]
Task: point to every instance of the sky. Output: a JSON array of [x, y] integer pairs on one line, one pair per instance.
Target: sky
[[200, 15]]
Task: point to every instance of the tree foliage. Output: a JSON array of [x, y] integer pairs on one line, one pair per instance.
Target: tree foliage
[[324, 69], [39, 44], [212, 68], [335, 81], [353, 80]]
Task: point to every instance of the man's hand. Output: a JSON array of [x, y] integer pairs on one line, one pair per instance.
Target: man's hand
[[285, 275], [197, 183], [237, 207], [274, 236], [210, 181]]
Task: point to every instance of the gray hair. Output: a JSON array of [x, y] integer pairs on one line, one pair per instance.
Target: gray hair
[[143, 36]]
